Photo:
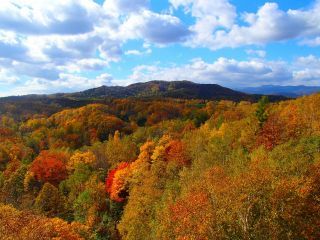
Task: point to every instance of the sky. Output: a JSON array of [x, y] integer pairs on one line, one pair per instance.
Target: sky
[[73, 45]]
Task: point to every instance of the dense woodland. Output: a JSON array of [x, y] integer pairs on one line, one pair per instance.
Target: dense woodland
[[24, 107], [162, 169]]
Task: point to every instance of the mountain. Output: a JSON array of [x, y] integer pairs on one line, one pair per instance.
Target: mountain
[[23, 106], [288, 91], [175, 89]]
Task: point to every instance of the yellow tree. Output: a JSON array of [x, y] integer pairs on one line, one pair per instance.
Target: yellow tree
[[87, 158]]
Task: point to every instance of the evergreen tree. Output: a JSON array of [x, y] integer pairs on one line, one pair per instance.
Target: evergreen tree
[[261, 113]]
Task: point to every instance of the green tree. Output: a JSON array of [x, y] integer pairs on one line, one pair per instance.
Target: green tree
[[50, 201], [261, 113], [13, 188]]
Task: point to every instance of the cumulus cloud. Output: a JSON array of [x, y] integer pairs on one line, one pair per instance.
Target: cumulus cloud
[[307, 69], [234, 73], [11, 47], [155, 28], [223, 71], [216, 27], [120, 7], [43, 39], [209, 15], [48, 17], [6, 77], [46, 44], [110, 50], [315, 42], [267, 25], [138, 53], [88, 64], [65, 83], [306, 77], [310, 61], [47, 71]]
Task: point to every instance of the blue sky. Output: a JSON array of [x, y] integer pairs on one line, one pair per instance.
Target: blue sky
[[71, 45]]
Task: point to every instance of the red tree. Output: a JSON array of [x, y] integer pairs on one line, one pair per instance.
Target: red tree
[[175, 151], [271, 133], [49, 167], [113, 187]]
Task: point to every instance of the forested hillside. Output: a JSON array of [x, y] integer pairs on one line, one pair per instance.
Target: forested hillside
[[173, 89], [162, 169], [23, 107]]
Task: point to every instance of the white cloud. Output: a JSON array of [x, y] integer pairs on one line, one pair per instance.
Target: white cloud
[[65, 83], [111, 50], [315, 42], [307, 69], [223, 71], [209, 16], [7, 78], [103, 79], [234, 73], [267, 25], [42, 39], [121, 7], [154, 27], [48, 17], [216, 27], [89, 64], [60, 41], [11, 46], [135, 52], [46, 71], [306, 77], [308, 62]]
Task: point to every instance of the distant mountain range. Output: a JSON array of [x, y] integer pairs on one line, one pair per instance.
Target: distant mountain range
[[152, 89], [288, 91], [163, 89], [49, 104]]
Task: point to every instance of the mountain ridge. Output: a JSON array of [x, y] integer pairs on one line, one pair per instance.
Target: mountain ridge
[[153, 90], [288, 91], [172, 89]]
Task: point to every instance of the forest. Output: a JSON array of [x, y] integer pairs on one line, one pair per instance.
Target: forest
[[162, 169]]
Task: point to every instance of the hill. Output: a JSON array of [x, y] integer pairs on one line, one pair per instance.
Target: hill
[[23, 107], [174, 89]]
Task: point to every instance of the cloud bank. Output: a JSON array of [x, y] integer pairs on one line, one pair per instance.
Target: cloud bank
[[57, 45]]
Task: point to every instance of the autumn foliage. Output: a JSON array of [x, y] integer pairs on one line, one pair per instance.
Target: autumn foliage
[[128, 169], [16, 224], [115, 182], [176, 151], [49, 167]]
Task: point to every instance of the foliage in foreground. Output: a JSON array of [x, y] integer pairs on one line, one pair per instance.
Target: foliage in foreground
[[175, 170]]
